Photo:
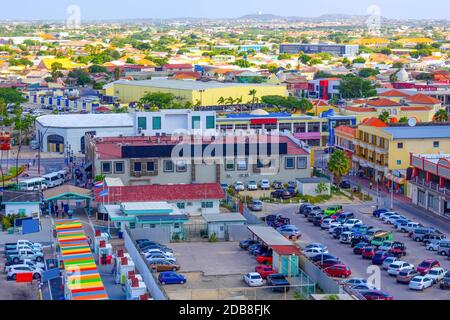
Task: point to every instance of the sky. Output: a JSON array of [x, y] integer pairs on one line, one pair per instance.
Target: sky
[[159, 9]]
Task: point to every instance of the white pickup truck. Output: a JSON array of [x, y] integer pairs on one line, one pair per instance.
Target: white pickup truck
[[16, 256], [13, 246]]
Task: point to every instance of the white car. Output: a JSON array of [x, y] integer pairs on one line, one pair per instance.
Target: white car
[[315, 245], [166, 253], [253, 279], [386, 246], [410, 227], [387, 262], [433, 246], [265, 185], [252, 186], [326, 223], [386, 215], [34, 265], [397, 266], [239, 186], [19, 269], [436, 274], [354, 282], [420, 283], [333, 226], [309, 253], [351, 223]]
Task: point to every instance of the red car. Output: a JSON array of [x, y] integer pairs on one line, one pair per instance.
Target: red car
[[336, 215], [264, 259], [265, 271], [427, 265], [376, 295], [328, 263], [368, 252], [338, 271]]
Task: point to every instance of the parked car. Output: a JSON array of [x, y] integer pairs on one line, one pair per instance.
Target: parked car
[[354, 282], [333, 210], [252, 186], [308, 209], [381, 237], [265, 258], [433, 246], [359, 248], [322, 257], [315, 245], [376, 213], [398, 249], [436, 274], [357, 238], [368, 252], [445, 283], [338, 271], [328, 263], [420, 283], [278, 282], [345, 184], [406, 275], [397, 266], [28, 262], [303, 207], [16, 256], [264, 184], [163, 265], [239, 186], [385, 215], [21, 269], [313, 252], [410, 226], [376, 295], [256, 205], [170, 277], [253, 279], [338, 231], [432, 237], [281, 194], [419, 234], [444, 248], [379, 257], [427, 265], [326, 223], [346, 237], [157, 255], [277, 185], [247, 243], [387, 262], [264, 271], [160, 251], [20, 243], [351, 223], [289, 231], [317, 219]]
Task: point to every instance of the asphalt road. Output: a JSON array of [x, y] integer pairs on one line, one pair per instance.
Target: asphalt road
[[49, 165], [416, 253]]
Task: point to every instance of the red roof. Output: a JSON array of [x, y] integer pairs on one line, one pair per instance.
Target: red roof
[[178, 66], [155, 193], [419, 108], [374, 122], [383, 103], [360, 109], [286, 250], [346, 129], [423, 99], [394, 94]]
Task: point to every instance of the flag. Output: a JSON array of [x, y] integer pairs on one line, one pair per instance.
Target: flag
[[104, 193], [99, 184]]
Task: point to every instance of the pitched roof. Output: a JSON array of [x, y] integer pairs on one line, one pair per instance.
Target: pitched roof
[[394, 94], [346, 130], [152, 193], [419, 108], [423, 99], [383, 103], [360, 109], [374, 122]]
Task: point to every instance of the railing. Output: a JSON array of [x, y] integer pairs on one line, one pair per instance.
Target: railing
[[431, 185]]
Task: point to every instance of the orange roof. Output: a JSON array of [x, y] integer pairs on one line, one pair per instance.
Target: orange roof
[[383, 103], [374, 122], [423, 99], [346, 130], [360, 109], [416, 108], [394, 94]]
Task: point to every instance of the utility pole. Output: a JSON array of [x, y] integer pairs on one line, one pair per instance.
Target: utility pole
[[392, 196]]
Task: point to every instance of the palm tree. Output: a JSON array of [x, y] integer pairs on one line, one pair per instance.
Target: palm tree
[[239, 100], [441, 116], [339, 165], [252, 93], [229, 100], [384, 116], [221, 101]]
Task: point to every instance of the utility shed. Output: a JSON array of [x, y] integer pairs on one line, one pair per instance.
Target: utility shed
[[221, 223], [285, 253], [22, 202], [310, 186]]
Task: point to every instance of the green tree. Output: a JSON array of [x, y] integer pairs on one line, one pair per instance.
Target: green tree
[[160, 99], [97, 69], [253, 93], [359, 60], [368, 72], [221, 101], [352, 87], [10, 95], [403, 120], [56, 71], [81, 77], [339, 165], [384, 116], [441, 116], [23, 126]]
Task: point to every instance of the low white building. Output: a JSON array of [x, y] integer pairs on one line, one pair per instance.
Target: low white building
[[22, 202], [312, 186]]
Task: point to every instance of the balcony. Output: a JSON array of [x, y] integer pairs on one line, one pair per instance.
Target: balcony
[[431, 185]]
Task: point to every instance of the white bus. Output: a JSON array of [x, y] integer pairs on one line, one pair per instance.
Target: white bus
[[35, 184], [54, 179]]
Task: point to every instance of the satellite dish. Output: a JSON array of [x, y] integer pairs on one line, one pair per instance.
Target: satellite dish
[[412, 122]]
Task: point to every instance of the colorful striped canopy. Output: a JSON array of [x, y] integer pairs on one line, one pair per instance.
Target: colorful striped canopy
[[83, 278]]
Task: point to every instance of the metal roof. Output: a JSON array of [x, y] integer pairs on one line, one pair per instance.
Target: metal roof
[[269, 236], [419, 132], [87, 120], [224, 217]]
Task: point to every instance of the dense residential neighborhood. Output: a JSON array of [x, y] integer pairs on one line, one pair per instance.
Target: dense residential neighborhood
[[254, 158]]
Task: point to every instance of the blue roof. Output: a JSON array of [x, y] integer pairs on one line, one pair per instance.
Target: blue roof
[[270, 115], [419, 132]]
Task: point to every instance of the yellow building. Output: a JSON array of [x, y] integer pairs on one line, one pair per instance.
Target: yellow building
[[383, 152], [205, 93]]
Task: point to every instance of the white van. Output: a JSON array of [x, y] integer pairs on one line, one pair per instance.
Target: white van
[[53, 179], [35, 184], [444, 247]]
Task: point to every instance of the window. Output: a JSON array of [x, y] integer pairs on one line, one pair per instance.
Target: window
[[302, 163], [168, 166], [181, 166], [400, 145], [150, 166], [399, 162], [196, 122], [289, 163], [142, 123], [435, 144], [210, 122], [106, 167], [156, 123], [118, 167], [242, 165], [137, 167], [229, 165], [181, 205], [207, 205]]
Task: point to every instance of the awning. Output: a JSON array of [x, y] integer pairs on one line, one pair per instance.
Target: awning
[[395, 179]]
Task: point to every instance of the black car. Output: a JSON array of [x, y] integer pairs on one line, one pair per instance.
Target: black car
[[303, 207], [317, 220], [278, 282], [337, 231], [376, 213], [357, 239], [322, 257], [358, 249], [247, 243], [310, 209], [345, 184], [281, 194]]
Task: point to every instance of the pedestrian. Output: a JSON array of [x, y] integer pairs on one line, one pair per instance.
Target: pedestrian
[[34, 162], [370, 185]]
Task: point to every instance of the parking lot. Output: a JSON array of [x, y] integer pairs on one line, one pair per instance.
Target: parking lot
[[214, 271], [416, 252]]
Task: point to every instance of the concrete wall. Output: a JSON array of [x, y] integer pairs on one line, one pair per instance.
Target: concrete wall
[[30, 209], [327, 284]]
